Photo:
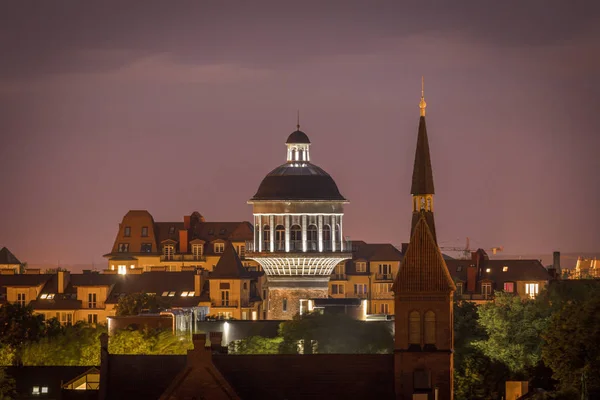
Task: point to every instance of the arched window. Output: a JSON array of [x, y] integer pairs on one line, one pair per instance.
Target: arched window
[[296, 238], [279, 238], [414, 328], [430, 327], [267, 238], [312, 238], [326, 238]]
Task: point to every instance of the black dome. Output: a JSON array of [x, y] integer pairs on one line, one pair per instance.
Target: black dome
[[297, 137], [307, 182]]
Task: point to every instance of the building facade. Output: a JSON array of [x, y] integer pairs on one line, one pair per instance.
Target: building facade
[[9, 264], [298, 230]]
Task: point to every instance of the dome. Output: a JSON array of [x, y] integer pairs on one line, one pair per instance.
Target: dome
[[297, 137], [293, 181]]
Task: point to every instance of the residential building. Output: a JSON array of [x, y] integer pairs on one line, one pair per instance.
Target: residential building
[[143, 245], [479, 278], [9, 263], [369, 275], [298, 230]]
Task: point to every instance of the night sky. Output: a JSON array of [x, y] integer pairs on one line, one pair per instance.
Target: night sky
[[175, 107]]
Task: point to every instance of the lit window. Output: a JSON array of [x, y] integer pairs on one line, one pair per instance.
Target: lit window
[[122, 269], [486, 289], [361, 266], [532, 289], [36, 390], [219, 247], [165, 294], [21, 299], [44, 389], [171, 294], [112, 267], [50, 296], [509, 287], [504, 269], [185, 294], [488, 270], [132, 266], [43, 296]]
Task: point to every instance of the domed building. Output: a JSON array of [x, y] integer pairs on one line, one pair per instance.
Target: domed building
[[298, 230]]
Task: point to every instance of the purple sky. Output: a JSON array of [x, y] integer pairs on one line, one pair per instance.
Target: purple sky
[[181, 106]]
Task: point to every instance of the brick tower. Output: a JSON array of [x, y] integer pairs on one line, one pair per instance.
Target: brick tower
[[423, 290]]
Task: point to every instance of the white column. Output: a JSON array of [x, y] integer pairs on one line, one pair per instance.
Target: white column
[[286, 219], [333, 233], [304, 233], [320, 227], [341, 234], [272, 227], [258, 240]]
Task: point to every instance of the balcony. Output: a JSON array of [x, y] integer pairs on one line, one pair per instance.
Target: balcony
[[358, 295], [182, 258], [298, 247], [384, 277], [229, 304], [339, 277], [382, 295]]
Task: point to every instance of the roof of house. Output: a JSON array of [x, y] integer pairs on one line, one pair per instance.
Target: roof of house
[[423, 268], [6, 257], [230, 266], [500, 271], [375, 251]]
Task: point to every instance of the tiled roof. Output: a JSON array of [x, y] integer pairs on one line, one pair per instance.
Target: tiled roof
[[229, 266], [375, 251], [423, 268], [516, 270], [6, 257], [24, 279]]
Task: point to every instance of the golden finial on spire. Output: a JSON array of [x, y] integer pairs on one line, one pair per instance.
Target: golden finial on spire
[[298, 120], [422, 103]]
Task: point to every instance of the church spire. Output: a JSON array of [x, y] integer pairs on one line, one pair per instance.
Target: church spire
[[422, 180]]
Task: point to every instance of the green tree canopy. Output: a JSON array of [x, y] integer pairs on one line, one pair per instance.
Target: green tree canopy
[[255, 345], [134, 303], [19, 324]]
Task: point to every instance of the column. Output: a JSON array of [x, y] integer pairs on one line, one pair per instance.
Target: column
[[333, 226], [320, 227], [341, 234], [304, 238], [286, 222], [272, 227], [258, 222]]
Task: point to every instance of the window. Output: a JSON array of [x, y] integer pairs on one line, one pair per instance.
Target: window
[[361, 266], [165, 294], [295, 238], [312, 238], [245, 285], [44, 296], [429, 327], [505, 268], [92, 318], [459, 288], [385, 308], [21, 299], [146, 248], [241, 250], [122, 269], [171, 294], [225, 298], [266, 238], [383, 287], [337, 289], [197, 250], [284, 305], [91, 300], [44, 389], [414, 328], [279, 238], [385, 271], [187, 294], [509, 287], [123, 247], [36, 390], [459, 268], [66, 318], [532, 289], [219, 247], [486, 289], [168, 250], [488, 270], [360, 289], [50, 296], [127, 231], [171, 230], [144, 231], [327, 238]]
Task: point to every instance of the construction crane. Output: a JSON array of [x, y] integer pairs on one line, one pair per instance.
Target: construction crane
[[466, 251]]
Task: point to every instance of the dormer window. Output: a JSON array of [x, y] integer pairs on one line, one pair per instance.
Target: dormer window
[[219, 247], [361, 266], [146, 248], [168, 251], [144, 231], [197, 250], [123, 247], [127, 231]]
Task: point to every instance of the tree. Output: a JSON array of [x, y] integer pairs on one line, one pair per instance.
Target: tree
[[148, 341], [572, 346], [255, 345], [334, 333], [513, 327], [134, 303], [19, 325], [7, 386]]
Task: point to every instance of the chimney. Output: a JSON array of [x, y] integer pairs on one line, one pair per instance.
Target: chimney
[[63, 280], [186, 221], [556, 261], [471, 278], [198, 283], [216, 340], [183, 241]]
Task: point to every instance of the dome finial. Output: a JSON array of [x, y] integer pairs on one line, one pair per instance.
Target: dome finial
[[422, 103], [298, 120]]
